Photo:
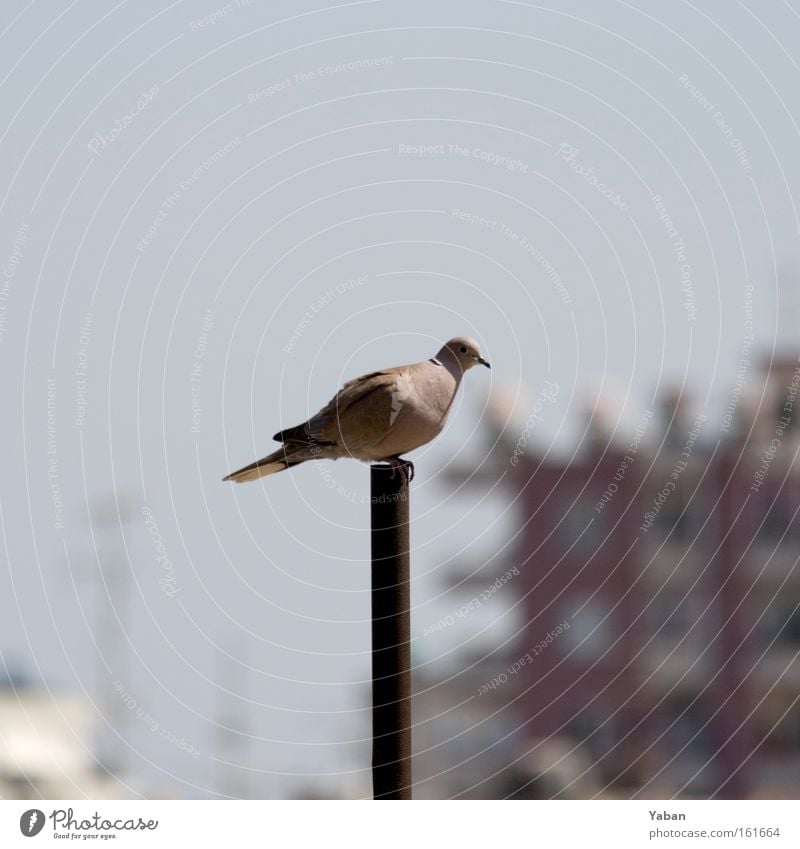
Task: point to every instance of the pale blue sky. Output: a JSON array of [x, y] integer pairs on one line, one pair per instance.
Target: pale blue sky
[[260, 196]]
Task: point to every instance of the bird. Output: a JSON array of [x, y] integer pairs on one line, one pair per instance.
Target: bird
[[377, 417]]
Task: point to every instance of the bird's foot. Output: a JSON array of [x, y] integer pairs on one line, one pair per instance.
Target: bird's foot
[[402, 467]]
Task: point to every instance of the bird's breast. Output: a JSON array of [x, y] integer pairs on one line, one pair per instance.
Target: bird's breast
[[422, 412]]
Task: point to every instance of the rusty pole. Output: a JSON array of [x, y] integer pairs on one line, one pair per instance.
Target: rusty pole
[[391, 634]]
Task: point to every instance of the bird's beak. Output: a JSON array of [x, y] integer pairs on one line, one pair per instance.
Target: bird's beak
[[483, 362]]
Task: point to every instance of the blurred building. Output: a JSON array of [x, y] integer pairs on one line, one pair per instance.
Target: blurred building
[[674, 561], [660, 589], [45, 746]]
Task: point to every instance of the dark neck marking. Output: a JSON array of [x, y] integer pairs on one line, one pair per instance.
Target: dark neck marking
[[434, 361]]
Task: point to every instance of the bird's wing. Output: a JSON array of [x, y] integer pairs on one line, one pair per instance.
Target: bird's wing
[[359, 415]]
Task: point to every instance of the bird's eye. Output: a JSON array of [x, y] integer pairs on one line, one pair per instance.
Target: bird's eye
[[463, 349]]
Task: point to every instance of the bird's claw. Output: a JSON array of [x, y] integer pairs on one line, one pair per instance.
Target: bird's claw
[[403, 467]]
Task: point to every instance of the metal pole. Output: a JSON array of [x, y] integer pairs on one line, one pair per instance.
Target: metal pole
[[391, 634]]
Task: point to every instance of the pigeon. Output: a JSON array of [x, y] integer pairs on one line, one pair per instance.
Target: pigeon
[[377, 417]]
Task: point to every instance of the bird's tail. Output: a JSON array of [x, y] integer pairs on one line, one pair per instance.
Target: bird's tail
[[279, 460]]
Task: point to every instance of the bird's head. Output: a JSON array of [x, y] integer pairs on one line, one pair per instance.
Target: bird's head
[[463, 352]]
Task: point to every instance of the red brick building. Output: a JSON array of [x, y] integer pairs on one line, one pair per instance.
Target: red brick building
[[675, 563]]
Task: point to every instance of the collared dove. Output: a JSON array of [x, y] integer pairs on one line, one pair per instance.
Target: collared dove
[[376, 417]]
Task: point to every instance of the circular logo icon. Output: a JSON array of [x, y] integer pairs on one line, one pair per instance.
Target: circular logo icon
[[31, 822]]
